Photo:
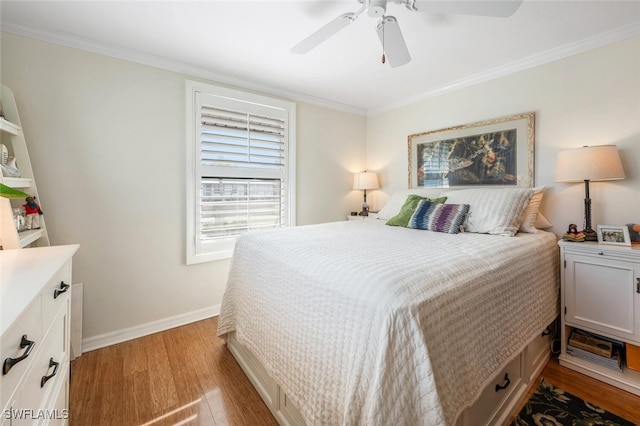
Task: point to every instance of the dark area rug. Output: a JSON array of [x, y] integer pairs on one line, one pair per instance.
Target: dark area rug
[[551, 406]]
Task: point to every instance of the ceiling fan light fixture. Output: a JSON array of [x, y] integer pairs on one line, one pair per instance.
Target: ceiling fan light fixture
[[394, 47]]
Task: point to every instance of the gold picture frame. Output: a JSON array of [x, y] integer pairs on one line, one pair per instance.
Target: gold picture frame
[[496, 152]]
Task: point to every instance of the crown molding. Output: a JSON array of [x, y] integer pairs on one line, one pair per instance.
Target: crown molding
[[533, 61], [171, 65]]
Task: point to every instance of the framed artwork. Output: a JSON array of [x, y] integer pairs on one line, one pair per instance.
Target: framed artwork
[[497, 152], [613, 234]]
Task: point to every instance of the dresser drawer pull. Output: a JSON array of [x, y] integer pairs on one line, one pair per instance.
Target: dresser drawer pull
[[55, 366], [546, 332], [63, 289], [10, 362], [637, 285], [506, 383]]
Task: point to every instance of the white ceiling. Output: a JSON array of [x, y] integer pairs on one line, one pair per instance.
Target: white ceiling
[[247, 43]]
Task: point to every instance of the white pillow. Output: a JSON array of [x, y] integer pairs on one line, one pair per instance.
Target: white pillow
[[531, 213], [393, 206], [493, 210], [542, 222]]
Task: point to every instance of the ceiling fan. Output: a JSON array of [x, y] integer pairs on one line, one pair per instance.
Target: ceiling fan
[[393, 44]]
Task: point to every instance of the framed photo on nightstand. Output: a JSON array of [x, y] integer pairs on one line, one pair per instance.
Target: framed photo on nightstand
[[614, 234]]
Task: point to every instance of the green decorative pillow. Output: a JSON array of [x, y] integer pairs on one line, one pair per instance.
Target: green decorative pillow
[[409, 207]]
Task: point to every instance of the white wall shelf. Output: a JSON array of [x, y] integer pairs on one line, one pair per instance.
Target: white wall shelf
[[13, 138], [9, 127], [18, 183]]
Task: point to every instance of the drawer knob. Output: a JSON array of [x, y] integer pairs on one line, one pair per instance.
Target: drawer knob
[[10, 362], [506, 383], [55, 366], [63, 289]]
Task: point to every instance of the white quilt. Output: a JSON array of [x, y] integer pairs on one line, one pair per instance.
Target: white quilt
[[366, 324]]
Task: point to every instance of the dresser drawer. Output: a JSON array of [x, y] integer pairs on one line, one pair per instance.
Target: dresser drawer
[[540, 347], [496, 393], [56, 293], [28, 324], [37, 389], [60, 405]]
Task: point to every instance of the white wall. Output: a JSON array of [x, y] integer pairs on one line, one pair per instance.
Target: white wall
[[588, 99], [107, 143], [106, 139], [330, 138]]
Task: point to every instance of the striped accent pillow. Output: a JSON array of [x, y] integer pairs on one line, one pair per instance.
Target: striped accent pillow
[[495, 211], [445, 218]]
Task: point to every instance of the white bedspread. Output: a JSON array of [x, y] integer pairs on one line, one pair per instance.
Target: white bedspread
[[366, 324]]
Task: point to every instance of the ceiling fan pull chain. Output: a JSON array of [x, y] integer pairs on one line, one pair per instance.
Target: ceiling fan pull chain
[[383, 58]]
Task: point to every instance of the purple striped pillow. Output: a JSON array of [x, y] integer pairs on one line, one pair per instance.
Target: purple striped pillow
[[445, 218]]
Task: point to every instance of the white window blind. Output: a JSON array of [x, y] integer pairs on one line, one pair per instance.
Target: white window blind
[[243, 175]]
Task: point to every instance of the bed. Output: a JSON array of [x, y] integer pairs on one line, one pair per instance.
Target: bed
[[361, 323]]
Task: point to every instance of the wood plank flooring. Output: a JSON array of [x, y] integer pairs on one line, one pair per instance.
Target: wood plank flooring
[[186, 376], [182, 376]]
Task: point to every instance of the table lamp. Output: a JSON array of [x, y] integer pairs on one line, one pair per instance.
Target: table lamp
[[364, 181], [589, 163]]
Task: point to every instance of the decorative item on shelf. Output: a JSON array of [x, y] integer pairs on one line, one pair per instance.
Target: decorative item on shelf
[[589, 163], [363, 181], [8, 163], [573, 234], [20, 219], [11, 168], [11, 193], [33, 212], [613, 234]]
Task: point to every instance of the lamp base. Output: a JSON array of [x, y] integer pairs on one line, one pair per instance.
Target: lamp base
[[590, 235], [365, 206]]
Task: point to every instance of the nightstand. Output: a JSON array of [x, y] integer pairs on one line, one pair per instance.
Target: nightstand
[[371, 216], [600, 293]]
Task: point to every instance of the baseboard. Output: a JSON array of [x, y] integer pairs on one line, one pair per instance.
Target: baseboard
[[119, 336]]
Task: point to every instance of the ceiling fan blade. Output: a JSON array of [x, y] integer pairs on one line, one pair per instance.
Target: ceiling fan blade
[[393, 44], [323, 33], [499, 8]]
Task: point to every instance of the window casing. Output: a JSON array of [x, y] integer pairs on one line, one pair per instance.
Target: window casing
[[240, 167]]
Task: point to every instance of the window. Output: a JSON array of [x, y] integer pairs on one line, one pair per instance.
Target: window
[[240, 167]]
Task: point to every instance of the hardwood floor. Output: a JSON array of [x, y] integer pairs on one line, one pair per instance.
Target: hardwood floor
[[182, 376], [186, 376]]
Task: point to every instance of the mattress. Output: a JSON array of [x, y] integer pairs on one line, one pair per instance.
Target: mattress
[[366, 324]]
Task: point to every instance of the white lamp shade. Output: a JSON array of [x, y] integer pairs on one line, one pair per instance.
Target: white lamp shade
[[365, 180], [589, 163]]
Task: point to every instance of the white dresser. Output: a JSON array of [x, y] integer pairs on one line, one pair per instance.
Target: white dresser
[[35, 287]]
